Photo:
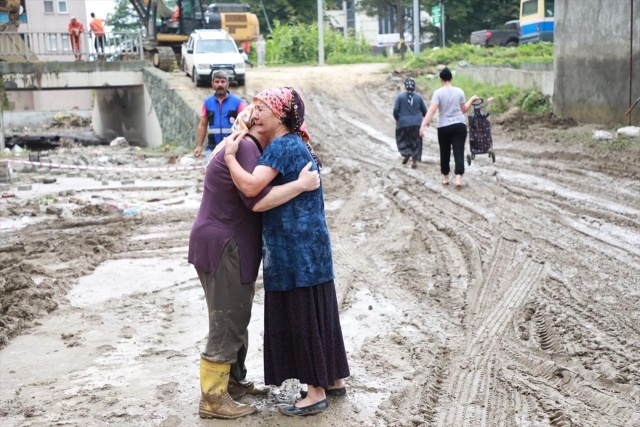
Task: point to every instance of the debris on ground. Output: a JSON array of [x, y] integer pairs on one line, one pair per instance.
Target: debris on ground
[[70, 120]]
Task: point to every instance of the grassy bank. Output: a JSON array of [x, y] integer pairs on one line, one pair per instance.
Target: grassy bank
[[507, 56], [505, 96]]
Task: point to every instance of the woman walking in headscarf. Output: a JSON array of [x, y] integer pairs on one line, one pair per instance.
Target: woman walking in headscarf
[[408, 110], [302, 332]]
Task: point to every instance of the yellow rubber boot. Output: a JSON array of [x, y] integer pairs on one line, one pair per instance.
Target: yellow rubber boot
[[215, 401]]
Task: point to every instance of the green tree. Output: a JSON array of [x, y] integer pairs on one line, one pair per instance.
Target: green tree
[[461, 16], [125, 17], [383, 8], [290, 11]]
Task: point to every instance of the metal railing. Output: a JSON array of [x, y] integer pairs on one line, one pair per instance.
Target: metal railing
[[49, 46]]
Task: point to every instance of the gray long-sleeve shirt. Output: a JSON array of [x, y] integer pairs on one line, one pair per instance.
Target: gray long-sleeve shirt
[[409, 114]]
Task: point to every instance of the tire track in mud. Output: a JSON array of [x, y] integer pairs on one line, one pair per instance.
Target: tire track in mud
[[485, 223], [418, 399], [553, 380], [473, 371], [448, 263], [492, 202]]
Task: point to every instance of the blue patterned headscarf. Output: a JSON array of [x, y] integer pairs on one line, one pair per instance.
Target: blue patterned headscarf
[[410, 84]]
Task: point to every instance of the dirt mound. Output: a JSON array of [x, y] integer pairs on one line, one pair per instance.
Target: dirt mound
[[21, 301], [102, 209], [516, 119]]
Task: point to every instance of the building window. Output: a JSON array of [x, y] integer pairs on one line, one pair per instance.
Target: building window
[[66, 45], [62, 6], [48, 6], [52, 43], [387, 24]]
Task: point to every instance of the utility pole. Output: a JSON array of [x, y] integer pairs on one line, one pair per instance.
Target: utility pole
[[443, 19], [266, 17], [346, 19], [416, 27], [2, 145], [631, 63], [320, 33]]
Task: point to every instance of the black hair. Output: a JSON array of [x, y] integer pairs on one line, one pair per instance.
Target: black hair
[[93, 15], [446, 75]]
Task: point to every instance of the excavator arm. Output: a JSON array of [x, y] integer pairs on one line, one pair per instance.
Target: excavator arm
[[148, 11]]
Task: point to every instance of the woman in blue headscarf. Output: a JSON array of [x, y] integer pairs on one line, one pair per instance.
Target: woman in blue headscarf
[[409, 109]]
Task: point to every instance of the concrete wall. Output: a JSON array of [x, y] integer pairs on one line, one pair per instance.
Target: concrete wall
[[163, 111], [36, 119], [159, 107], [177, 106], [592, 57], [70, 75], [126, 112], [54, 100], [530, 76]]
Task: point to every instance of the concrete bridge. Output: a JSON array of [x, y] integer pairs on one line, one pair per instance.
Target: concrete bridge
[[132, 99]]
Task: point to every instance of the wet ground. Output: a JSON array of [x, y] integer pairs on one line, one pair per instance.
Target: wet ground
[[514, 301]]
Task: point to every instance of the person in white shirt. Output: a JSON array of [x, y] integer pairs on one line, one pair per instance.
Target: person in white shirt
[[452, 125]]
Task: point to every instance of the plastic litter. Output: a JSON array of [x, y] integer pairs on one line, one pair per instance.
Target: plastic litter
[[131, 211], [602, 135], [628, 132]]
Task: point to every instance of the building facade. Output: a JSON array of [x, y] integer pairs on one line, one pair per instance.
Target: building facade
[[378, 31]]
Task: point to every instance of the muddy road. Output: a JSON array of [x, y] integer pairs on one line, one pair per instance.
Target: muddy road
[[512, 302]]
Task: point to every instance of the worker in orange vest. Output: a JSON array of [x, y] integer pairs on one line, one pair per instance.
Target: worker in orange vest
[[97, 28], [75, 29]]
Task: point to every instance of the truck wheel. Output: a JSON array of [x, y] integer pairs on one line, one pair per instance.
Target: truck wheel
[[241, 82], [512, 43]]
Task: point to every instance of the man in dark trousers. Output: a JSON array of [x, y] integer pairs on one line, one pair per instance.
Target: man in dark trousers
[[219, 112]]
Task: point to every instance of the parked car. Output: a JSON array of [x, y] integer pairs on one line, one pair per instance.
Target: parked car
[[212, 50], [508, 36]]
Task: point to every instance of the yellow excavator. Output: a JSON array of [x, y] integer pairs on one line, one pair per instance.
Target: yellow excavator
[[166, 28]]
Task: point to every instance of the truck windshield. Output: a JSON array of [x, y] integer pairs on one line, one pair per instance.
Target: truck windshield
[[216, 46]]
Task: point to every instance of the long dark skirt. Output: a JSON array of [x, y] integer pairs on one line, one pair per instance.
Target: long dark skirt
[[303, 337], [409, 142]]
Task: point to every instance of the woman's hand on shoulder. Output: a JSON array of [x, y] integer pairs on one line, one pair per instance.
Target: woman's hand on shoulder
[[232, 142], [309, 180]]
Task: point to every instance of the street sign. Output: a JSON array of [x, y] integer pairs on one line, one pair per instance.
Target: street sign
[[436, 15]]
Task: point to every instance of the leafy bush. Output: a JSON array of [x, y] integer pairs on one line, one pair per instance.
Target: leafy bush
[[298, 44], [475, 55], [533, 101], [504, 97]]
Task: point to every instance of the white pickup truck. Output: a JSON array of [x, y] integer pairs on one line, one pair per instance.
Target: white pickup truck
[[207, 51]]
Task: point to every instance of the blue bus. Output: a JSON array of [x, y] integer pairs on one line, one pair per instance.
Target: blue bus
[[536, 21]]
